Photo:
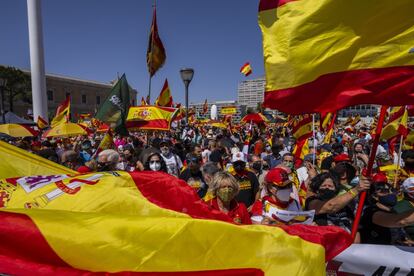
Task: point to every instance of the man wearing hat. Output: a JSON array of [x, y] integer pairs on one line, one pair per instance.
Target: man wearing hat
[[249, 185], [407, 204], [275, 195]]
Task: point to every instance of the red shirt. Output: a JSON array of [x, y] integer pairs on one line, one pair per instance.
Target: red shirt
[[238, 211]]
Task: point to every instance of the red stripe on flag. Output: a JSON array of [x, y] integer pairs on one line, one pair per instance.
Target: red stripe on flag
[[160, 124], [175, 194], [272, 4], [335, 91]]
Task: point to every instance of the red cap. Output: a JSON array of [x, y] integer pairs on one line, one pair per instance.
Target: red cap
[[278, 177], [379, 178], [84, 169], [342, 157]]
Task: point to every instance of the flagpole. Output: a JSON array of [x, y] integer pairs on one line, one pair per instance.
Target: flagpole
[[154, 5], [314, 137], [368, 171]]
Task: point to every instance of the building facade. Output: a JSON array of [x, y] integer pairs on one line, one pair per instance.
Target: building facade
[[251, 92], [240, 109], [85, 96], [364, 110]]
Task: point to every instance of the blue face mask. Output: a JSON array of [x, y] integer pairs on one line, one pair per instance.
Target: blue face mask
[[388, 200]]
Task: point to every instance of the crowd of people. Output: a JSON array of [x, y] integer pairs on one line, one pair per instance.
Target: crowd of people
[[250, 173]]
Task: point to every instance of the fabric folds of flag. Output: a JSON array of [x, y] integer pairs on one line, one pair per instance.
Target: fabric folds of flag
[[165, 98], [145, 222], [106, 142], [62, 113], [155, 53], [246, 69], [397, 123], [114, 110], [302, 131], [329, 130], [150, 117], [42, 123], [16, 162], [328, 61]]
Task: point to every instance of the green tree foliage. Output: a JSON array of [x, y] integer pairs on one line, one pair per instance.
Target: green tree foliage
[[18, 86]]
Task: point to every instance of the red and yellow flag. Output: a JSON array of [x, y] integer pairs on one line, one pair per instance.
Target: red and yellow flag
[[328, 61], [155, 52], [165, 98], [106, 142], [41, 123], [143, 102], [397, 123], [62, 113], [302, 129], [205, 107], [246, 69], [150, 117], [70, 225], [329, 130]]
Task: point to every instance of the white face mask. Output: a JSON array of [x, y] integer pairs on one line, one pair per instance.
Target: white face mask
[[155, 166], [283, 195]]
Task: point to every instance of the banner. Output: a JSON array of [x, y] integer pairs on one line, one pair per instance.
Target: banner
[[228, 110], [370, 259]]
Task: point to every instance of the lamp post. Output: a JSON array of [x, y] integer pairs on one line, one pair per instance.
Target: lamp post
[[186, 76], [3, 83]]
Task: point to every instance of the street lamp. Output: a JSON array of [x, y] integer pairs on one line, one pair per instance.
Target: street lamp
[[186, 76], [3, 83]]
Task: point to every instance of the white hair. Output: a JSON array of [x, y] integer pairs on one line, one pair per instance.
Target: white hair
[[111, 156]]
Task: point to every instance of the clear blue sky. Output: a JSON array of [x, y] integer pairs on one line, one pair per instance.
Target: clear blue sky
[[95, 39]]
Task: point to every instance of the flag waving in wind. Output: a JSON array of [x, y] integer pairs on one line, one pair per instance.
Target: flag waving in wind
[[115, 108], [205, 107], [62, 113], [165, 98], [155, 52], [246, 69], [321, 56]]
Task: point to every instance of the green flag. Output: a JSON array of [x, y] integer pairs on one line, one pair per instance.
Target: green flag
[[115, 108]]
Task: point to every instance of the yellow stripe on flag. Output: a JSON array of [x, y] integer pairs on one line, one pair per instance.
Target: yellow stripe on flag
[[16, 162]]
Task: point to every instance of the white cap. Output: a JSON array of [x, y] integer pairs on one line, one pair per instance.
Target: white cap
[[239, 156], [408, 186]]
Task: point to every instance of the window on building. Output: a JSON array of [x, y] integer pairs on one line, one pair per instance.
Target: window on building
[[50, 95], [84, 99], [98, 100]]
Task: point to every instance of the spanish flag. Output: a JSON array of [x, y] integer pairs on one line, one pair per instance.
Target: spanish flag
[[302, 128], [397, 123], [325, 120], [41, 123], [155, 52], [143, 102], [147, 222], [329, 130], [246, 69], [62, 113], [165, 98], [150, 117], [205, 107], [324, 55]]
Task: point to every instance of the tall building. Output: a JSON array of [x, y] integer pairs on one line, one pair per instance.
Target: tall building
[[240, 109], [251, 92], [364, 110], [86, 96]]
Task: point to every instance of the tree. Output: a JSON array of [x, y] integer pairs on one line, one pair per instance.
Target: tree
[[18, 86]]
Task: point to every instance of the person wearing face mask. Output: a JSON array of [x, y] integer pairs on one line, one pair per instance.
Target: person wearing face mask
[[298, 180], [267, 151], [276, 195], [275, 158], [331, 208], [248, 183], [155, 163], [224, 189], [209, 170], [256, 166], [173, 162], [407, 203], [379, 225], [193, 176], [107, 160]]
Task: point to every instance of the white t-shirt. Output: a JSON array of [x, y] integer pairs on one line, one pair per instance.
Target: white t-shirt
[[173, 163]]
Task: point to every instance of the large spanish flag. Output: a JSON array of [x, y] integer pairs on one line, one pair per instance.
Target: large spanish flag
[[150, 117], [397, 123], [324, 55], [145, 222]]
